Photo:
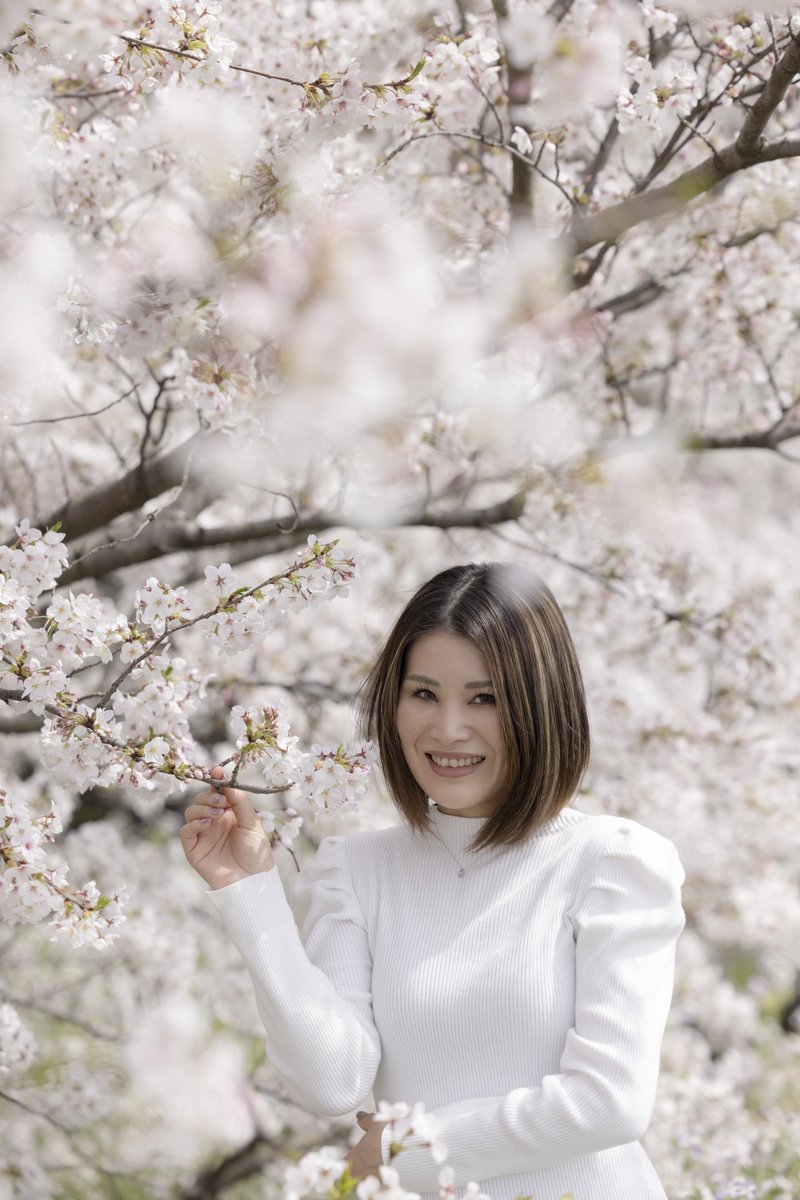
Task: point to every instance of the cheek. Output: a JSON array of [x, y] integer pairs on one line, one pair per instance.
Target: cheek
[[497, 742], [404, 723]]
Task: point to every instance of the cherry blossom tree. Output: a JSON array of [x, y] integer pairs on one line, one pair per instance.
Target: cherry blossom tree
[[300, 303]]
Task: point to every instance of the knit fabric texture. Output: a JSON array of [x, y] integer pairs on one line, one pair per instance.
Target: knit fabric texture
[[523, 1001]]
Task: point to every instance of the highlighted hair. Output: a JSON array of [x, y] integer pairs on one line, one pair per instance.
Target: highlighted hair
[[513, 619]]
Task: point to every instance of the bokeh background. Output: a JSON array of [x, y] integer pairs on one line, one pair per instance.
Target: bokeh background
[[443, 282]]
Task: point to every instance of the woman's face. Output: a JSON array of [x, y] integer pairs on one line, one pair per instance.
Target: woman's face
[[449, 726]]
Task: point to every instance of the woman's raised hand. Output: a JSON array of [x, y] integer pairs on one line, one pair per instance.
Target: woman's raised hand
[[223, 838]]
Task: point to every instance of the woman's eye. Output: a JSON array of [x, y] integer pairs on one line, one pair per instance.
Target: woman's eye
[[423, 693], [483, 698]]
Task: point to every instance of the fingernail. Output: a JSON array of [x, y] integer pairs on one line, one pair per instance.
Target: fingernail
[[205, 820]]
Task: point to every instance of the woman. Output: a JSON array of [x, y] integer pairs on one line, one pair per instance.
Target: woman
[[498, 955]]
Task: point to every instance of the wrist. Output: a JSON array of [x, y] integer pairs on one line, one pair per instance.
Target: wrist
[[231, 877]]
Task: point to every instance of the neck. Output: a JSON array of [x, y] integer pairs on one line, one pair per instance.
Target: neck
[[466, 816]]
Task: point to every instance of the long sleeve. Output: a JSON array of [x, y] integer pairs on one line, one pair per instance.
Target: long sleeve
[[313, 989], [626, 923]]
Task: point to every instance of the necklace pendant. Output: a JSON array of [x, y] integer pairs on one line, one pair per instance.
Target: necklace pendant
[[460, 872]]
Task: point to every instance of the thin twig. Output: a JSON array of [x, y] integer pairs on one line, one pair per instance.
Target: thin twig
[[77, 416], [318, 85]]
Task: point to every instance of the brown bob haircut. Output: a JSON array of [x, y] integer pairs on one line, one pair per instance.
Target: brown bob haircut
[[513, 619]]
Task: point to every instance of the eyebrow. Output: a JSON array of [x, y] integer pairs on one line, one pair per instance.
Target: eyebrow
[[480, 683]]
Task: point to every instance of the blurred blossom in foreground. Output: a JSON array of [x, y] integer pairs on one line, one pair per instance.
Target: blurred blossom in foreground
[[193, 1082]]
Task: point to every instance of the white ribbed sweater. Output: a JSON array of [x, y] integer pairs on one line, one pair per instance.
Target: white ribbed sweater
[[523, 1003]]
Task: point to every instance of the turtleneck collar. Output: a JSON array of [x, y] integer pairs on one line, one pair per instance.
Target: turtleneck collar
[[458, 832], [455, 832]]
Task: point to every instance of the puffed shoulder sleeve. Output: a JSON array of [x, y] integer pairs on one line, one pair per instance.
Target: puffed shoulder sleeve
[[313, 986], [626, 920]]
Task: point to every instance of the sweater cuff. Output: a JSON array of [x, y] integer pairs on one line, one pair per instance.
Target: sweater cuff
[[417, 1164], [239, 897], [416, 1167]]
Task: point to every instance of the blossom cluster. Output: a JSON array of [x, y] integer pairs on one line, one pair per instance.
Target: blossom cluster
[[145, 731], [79, 743], [34, 561], [411, 1121], [17, 1044], [40, 652], [139, 734], [335, 780], [31, 890], [343, 101], [220, 381], [159, 605], [329, 780], [172, 43], [314, 1173], [243, 615], [323, 1172], [304, 262], [182, 41], [76, 303], [658, 95], [281, 828]]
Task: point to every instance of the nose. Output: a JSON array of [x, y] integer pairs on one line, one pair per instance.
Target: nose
[[449, 724]]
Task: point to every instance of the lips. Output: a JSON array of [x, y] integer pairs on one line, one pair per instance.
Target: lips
[[454, 766]]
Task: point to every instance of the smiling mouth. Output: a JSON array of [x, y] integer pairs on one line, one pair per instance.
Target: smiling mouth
[[442, 760]]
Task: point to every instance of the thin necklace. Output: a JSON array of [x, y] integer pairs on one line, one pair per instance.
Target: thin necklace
[[461, 868]]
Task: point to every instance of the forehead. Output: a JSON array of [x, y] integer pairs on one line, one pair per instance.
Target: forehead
[[447, 657]]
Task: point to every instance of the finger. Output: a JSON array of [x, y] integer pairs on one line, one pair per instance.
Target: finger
[[364, 1119], [193, 829], [197, 810], [212, 799], [242, 807], [224, 793]]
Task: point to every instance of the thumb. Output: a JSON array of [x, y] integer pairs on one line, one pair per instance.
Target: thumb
[[364, 1119], [241, 805]]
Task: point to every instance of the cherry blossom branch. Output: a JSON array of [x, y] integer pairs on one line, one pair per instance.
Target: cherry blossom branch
[[603, 154], [248, 1160], [67, 1018], [300, 564], [125, 494], [559, 9], [637, 297], [518, 95], [184, 772], [658, 52], [613, 222], [140, 42], [199, 502], [323, 83], [270, 534], [757, 439], [533, 163], [704, 106], [747, 150], [36, 1112], [79, 415], [20, 722], [749, 143]]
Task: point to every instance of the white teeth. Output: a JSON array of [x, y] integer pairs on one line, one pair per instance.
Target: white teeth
[[457, 762]]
